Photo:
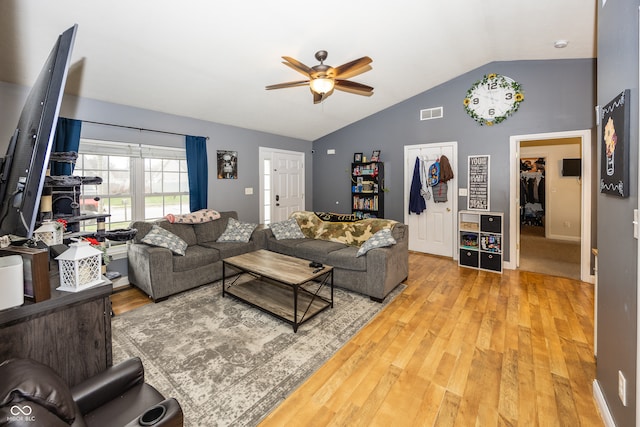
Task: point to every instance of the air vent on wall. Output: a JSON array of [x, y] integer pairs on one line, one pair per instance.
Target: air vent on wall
[[431, 113]]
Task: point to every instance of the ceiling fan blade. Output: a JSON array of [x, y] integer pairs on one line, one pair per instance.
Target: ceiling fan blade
[[288, 84], [353, 68], [297, 65], [354, 87]]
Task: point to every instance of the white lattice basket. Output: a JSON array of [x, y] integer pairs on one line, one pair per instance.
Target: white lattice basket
[[50, 233], [80, 267]]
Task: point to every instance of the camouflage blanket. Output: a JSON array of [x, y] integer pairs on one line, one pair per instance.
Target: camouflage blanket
[[352, 233]]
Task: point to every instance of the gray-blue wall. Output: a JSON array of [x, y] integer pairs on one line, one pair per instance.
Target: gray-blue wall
[[617, 249], [224, 194], [559, 96]]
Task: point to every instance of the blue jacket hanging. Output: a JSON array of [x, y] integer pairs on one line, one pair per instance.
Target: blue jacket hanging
[[416, 201]]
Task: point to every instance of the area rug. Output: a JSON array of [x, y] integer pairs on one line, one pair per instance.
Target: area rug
[[227, 363]]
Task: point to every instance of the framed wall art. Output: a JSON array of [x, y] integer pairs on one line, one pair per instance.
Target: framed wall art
[[614, 146], [478, 183], [227, 164]]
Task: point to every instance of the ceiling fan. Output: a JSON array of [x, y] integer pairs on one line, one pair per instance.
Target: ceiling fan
[[323, 79]]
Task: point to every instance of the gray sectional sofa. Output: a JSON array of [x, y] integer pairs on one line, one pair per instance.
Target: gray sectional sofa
[[160, 273]]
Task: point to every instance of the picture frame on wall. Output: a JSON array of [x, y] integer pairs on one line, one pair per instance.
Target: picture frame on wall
[[357, 157], [375, 156], [478, 184], [227, 164], [614, 167]]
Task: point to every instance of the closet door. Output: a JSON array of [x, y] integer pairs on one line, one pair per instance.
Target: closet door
[[434, 230]]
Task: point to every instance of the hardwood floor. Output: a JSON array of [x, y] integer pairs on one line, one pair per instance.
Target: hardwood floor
[[460, 347], [127, 299]]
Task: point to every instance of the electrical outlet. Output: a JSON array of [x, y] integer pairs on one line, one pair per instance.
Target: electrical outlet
[[622, 388]]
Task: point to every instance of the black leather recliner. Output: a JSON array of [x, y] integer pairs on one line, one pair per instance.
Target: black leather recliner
[[32, 394]]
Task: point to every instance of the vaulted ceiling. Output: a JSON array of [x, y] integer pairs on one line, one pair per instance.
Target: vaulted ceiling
[[211, 60]]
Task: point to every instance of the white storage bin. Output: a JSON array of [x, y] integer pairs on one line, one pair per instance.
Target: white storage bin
[[12, 283]]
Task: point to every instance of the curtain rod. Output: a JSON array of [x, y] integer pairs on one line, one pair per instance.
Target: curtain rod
[[137, 128]]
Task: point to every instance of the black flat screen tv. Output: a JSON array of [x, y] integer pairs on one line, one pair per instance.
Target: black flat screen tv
[[571, 167], [23, 169]]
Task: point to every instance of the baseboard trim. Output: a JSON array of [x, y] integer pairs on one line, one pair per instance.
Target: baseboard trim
[[601, 403]]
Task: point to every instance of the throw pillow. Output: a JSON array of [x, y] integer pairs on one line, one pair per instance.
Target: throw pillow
[[381, 239], [288, 229], [237, 231], [160, 237]]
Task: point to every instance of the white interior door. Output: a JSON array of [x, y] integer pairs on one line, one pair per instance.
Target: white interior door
[[288, 184], [433, 230]]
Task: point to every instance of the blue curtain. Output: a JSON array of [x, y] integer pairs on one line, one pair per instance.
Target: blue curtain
[[66, 138], [198, 172]]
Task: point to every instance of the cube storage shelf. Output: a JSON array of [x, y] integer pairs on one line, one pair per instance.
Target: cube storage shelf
[[367, 185], [480, 240]]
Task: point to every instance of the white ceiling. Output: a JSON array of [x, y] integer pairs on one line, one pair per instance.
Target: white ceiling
[[211, 60]]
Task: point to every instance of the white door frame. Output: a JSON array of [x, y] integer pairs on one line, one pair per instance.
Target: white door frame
[[452, 185], [266, 153], [586, 176]]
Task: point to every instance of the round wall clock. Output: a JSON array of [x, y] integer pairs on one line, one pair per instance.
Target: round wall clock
[[492, 99]]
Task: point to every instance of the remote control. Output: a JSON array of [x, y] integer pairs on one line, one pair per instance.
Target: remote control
[[318, 269]]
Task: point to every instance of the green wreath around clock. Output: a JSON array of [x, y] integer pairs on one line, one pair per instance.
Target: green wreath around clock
[[492, 99]]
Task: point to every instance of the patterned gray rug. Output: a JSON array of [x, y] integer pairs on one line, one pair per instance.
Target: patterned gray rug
[[229, 364]]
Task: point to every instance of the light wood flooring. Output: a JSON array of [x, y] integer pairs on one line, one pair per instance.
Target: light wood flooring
[[459, 347]]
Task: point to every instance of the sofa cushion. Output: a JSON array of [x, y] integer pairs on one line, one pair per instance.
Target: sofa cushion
[[196, 256], [210, 231], [346, 259], [288, 229], [381, 239], [184, 231], [285, 246], [143, 228], [229, 249], [317, 250], [158, 236], [237, 231]]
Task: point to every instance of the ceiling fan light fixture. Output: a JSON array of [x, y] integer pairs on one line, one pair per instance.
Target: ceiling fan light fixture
[[321, 85]]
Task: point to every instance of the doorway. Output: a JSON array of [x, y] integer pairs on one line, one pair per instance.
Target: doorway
[[433, 230], [561, 221], [282, 184]]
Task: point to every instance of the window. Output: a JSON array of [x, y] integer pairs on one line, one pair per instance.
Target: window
[[139, 182], [267, 191]]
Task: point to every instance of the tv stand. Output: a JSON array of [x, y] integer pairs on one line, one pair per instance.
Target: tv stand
[[70, 332]]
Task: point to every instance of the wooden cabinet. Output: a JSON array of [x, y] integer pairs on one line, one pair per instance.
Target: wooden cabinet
[[480, 240], [367, 189], [70, 332]]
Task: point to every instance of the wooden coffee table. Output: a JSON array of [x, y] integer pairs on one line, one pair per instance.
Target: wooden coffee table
[[281, 285]]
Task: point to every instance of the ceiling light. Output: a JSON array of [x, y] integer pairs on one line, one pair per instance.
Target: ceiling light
[[321, 85], [559, 44]]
